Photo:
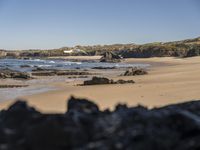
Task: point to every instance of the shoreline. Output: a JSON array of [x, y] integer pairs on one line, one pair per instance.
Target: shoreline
[[168, 82]]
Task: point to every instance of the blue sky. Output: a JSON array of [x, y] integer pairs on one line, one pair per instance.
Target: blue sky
[[45, 24]]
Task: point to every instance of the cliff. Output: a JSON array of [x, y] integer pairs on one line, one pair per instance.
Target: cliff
[[2, 53], [184, 48]]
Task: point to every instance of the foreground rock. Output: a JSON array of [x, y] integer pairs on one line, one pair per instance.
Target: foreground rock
[[135, 71], [110, 57], [85, 127], [101, 80], [8, 73]]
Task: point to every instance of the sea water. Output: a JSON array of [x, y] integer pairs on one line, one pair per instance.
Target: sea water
[[28, 65]]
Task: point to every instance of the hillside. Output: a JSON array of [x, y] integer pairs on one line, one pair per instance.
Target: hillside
[[184, 48]]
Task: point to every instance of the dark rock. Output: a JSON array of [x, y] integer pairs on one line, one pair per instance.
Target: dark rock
[[84, 126], [12, 86], [25, 66], [53, 72], [123, 81], [110, 57], [80, 73], [8, 73], [79, 77], [40, 69], [104, 68], [135, 71], [81, 105], [96, 81], [102, 80]]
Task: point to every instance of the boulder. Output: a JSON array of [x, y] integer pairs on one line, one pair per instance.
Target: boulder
[[102, 80], [124, 81], [25, 66], [110, 57], [8, 73], [96, 81], [135, 71]]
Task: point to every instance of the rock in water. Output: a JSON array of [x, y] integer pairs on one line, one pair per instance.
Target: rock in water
[[85, 127], [110, 57], [8, 73]]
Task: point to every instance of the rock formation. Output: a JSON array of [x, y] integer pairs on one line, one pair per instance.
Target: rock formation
[[85, 127], [110, 57], [135, 71], [8, 73], [54, 72], [102, 80], [12, 86], [2, 54]]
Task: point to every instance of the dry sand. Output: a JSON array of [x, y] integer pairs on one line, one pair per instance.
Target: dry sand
[[170, 80]]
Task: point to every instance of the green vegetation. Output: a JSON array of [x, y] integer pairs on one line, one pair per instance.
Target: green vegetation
[[185, 48]]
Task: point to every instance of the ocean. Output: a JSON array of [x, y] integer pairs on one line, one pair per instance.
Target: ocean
[[28, 65]]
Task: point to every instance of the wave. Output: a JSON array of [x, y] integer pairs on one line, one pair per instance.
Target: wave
[[52, 62]]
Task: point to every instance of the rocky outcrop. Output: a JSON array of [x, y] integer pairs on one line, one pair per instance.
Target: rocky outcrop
[[104, 68], [77, 77], [120, 81], [102, 80], [12, 54], [110, 57], [194, 51], [53, 72], [12, 86], [97, 80], [8, 73], [2, 54], [85, 127], [135, 71]]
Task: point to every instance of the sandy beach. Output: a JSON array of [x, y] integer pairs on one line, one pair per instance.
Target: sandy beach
[[170, 80]]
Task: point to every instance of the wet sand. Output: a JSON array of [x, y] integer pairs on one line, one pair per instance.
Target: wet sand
[[170, 80]]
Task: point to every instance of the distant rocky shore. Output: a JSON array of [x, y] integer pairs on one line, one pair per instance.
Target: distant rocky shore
[[185, 48], [85, 127]]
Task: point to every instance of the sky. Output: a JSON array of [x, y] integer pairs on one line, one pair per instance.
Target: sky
[[46, 24]]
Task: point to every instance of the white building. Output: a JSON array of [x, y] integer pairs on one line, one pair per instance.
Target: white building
[[68, 51], [72, 51]]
